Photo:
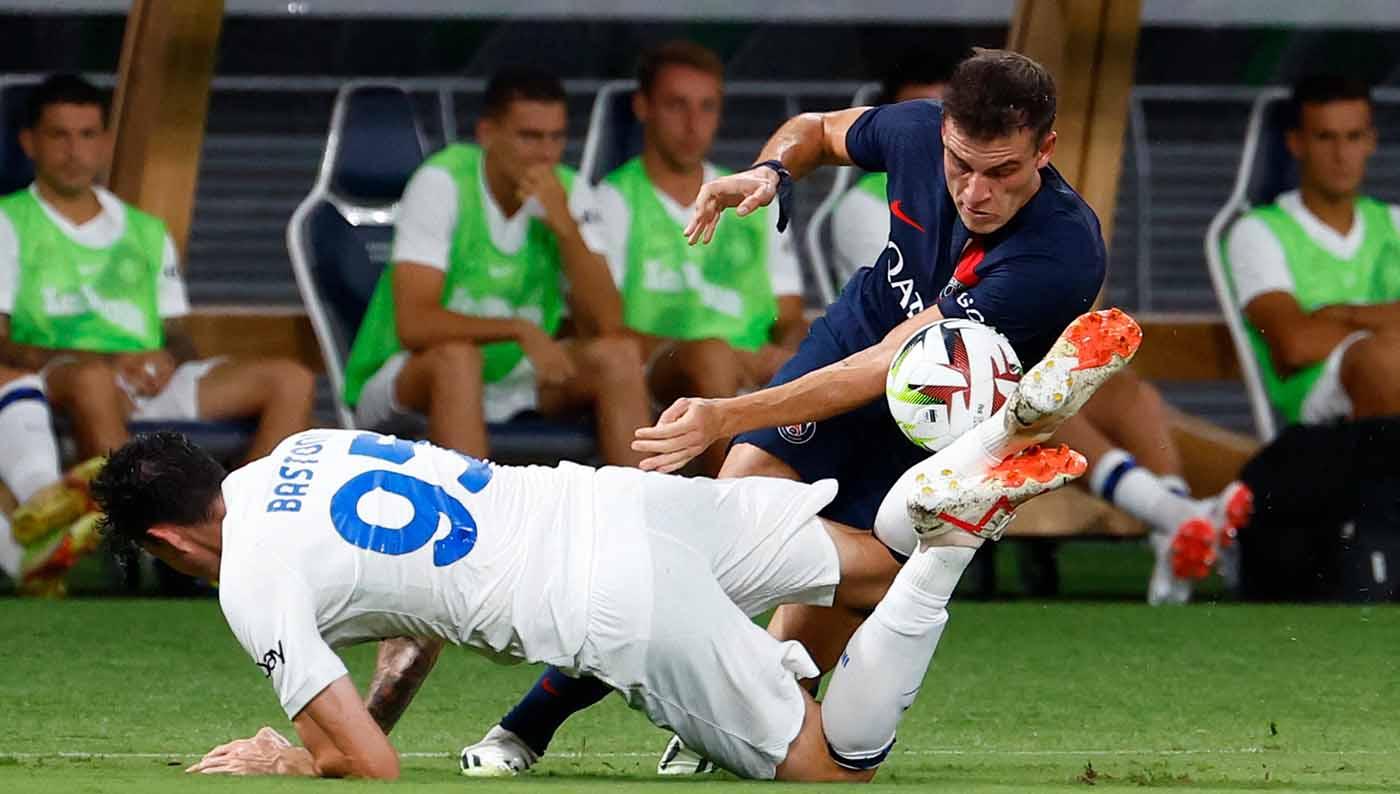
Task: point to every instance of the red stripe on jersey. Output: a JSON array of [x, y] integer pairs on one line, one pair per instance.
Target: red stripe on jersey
[[972, 256]]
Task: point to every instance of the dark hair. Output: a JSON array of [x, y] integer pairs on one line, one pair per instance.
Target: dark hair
[[916, 68], [520, 82], [676, 53], [155, 478], [62, 89], [1317, 89], [997, 92]]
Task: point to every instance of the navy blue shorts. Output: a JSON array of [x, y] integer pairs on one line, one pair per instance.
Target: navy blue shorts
[[862, 449]]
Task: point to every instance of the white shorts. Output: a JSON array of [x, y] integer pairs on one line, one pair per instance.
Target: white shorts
[[679, 566], [179, 400], [1328, 400], [502, 400]]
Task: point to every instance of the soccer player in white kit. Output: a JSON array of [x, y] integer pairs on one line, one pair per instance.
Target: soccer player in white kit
[[643, 580]]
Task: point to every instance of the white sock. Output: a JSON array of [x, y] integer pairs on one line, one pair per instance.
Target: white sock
[[11, 553], [30, 459], [1161, 502], [886, 660]]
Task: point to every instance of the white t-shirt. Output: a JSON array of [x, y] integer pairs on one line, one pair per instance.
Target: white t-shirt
[[308, 564], [428, 218], [1257, 260], [103, 230], [860, 227], [614, 224]]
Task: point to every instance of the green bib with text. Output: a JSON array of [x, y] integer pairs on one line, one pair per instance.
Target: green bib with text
[[1320, 278], [481, 281], [69, 296], [670, 289]]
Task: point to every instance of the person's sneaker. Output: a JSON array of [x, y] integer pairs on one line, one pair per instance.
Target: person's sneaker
[[46, 562], [1193, 550], [1090, 351], [57, 504], [677, 759], [982, 504], [500, 753]]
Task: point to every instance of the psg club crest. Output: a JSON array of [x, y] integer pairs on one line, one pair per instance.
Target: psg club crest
[[799, 433]]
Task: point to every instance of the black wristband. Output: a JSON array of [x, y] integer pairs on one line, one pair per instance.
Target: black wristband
[[784, 190]]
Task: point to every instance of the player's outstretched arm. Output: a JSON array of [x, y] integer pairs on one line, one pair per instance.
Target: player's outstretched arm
[[691, 424], [803, 142]]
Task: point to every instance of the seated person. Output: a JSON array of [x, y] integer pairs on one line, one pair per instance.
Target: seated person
[[1317, 273], [461, 328], [91, 296], [1123, 431], [713, 319]]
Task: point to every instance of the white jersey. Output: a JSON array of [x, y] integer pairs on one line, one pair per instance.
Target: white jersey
[[340, 537]]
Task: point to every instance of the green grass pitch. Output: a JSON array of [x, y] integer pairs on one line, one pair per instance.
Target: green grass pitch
[[120, 695]]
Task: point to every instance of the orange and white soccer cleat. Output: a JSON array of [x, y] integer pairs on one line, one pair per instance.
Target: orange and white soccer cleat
[[1091, 350], [982, 504]]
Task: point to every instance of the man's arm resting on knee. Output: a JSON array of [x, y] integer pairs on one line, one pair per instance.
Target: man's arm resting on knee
[[423, 322], [402, 666], [1295, 338]]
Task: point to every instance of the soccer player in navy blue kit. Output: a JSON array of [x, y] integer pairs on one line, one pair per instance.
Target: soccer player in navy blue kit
[[982, 227]]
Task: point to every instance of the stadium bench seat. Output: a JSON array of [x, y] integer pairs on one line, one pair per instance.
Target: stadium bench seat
[[339, 240]]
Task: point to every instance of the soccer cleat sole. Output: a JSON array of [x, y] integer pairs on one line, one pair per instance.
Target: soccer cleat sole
[[1091, 350], [982, 504], [1195, 547], [55, 555]]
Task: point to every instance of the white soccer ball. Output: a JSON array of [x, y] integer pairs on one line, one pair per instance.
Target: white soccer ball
[[950, 375]]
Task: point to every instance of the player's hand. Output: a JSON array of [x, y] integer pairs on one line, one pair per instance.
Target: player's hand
[[541, 182], [146, 373], [551, 360], [746, 190], [263, 754], [683, 431]]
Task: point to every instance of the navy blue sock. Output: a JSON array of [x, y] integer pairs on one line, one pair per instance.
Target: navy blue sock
[[553, 699]]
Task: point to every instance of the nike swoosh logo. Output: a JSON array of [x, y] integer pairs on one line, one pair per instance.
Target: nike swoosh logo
[[899, 213]]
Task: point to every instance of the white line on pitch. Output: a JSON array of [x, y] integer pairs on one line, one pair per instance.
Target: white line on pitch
[[585, 755]]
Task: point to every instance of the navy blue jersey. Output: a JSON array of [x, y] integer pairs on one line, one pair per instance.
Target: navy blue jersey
[[1029, 279]]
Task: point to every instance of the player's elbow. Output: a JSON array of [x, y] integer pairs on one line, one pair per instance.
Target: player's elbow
[[1294, 351]]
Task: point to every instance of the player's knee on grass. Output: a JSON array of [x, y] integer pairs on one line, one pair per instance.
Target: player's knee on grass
[[1371, 374], [809, 758]]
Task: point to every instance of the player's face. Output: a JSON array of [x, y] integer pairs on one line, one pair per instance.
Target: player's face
[[681, 114], [69, 147], [991, 180], [1332, 144], [920, 91], [529, 133]]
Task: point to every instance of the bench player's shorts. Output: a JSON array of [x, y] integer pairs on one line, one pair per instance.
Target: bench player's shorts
[[863, 450], [679, 566]]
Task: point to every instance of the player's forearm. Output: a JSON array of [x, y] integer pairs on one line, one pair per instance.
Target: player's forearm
[[428, 327], [400, 670], [593, 298], [821, 394], [802, 144], [1373, 317]]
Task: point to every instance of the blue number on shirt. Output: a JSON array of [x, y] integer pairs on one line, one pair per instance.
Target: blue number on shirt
[[429, 501]]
